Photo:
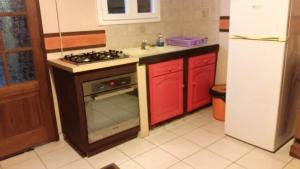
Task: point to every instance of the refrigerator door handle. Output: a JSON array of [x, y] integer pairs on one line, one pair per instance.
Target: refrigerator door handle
[[277, 39]]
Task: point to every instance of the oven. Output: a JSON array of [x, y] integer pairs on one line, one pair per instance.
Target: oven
[[111, 106]]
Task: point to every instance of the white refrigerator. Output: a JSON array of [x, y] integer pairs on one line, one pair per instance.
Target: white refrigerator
[[261, 68]]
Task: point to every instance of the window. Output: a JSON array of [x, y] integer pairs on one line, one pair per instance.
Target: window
[[116, 6], [128, 11], [144, 6]]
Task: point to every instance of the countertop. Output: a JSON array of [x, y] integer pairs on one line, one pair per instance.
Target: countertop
[[136, 55]]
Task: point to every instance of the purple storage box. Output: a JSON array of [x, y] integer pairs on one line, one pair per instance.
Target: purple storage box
[[186, 41]]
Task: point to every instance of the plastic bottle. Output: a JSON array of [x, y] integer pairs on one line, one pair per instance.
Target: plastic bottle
[[160, 41]]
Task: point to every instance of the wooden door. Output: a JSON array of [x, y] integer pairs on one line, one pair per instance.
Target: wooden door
[[166, 97], [200, 80], [26, 108]]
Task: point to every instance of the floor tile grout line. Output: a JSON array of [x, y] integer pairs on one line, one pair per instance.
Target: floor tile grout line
[[40, 159], [133, 158], [68, 163], [56, 150], [23, 161], [220, 138], [66, 145], [181, 161], [288, 163], [138, 163], [177, 136], [207, 148], [155, 146], [236, 161], [182, 134], [89, 162]]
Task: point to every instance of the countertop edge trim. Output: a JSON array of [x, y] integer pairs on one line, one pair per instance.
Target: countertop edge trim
[[179, 54]]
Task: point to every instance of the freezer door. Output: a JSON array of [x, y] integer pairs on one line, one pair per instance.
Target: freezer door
[[259, 18], [253, 91]]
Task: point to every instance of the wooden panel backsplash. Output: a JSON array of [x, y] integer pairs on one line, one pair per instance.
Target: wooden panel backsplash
[[56, 42]]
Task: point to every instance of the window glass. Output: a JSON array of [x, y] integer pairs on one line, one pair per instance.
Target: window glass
[[144, 6], [12, 6], [15, 32], [21, 68], [116, 6], [2, 79]]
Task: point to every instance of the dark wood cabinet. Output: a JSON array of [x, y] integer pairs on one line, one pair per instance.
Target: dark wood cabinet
[[201, 77], [26, 108], [69, 87]]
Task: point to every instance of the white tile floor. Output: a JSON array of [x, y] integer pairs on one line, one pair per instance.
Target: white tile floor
[[196, 141]]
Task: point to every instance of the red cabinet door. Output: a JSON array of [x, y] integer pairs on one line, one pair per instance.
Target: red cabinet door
[[199, 82], [166, 96]]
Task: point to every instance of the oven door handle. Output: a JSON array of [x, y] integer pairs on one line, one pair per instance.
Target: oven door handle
[[111, 94]]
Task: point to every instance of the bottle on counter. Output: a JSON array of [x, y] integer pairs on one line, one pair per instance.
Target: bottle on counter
[[160, 41]]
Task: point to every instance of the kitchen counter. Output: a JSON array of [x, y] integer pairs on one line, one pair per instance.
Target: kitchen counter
[[155, 51], [149, 55], [87, 67]]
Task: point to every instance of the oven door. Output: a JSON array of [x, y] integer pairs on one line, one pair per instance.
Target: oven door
[[110, 113]]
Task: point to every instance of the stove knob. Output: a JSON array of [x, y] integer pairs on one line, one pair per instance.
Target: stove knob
[[112, 83], [101, 86]]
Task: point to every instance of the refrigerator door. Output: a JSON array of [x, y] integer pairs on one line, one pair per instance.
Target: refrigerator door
[[254, 81], [259, 18]]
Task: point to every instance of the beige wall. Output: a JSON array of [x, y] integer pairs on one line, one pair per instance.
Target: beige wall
[[223, 41], [201, 18], [61, 15], [178, 17]]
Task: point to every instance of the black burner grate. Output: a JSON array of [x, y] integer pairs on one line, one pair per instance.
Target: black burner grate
[[93, 56]]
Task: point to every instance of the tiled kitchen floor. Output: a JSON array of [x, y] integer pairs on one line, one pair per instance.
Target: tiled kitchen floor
[[196, 141]]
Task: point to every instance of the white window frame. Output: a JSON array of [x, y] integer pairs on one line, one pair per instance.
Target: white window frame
[[131, 14]]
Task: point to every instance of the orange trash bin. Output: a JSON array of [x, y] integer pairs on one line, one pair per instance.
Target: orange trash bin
[[218, 93]]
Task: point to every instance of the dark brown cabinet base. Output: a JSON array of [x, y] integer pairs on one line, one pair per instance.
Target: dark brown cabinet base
[[72, 109]]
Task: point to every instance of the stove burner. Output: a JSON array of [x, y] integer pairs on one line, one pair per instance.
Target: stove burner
[[93, 56]]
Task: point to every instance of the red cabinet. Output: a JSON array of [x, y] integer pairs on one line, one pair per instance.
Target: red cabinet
[[166, 90], [200, 78], [166, 86]]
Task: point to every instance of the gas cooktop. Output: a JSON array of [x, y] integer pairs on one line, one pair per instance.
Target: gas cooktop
[[92, 57]]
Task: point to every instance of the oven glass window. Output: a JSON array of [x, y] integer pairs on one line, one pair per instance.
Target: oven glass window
[[110, 115]]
